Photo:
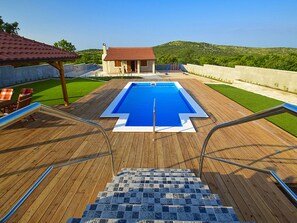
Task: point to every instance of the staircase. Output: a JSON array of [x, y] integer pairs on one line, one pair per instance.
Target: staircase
[[156, 195]]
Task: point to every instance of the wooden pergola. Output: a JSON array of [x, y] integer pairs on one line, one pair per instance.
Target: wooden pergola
[[17, 51]]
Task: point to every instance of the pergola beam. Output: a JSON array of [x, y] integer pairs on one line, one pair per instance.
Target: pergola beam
[[59, 66], [19, 51]]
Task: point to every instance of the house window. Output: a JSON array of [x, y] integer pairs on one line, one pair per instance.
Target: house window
[[144, 63], [117, 63]]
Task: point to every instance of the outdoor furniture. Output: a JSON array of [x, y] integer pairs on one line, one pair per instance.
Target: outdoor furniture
[[4, 104], [6, 94], [26, 91], [23, 101]]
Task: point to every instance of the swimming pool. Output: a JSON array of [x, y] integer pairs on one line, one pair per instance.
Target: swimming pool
[[135, 104]]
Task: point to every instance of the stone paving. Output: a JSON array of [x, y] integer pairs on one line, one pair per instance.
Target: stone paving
[[266, 91]]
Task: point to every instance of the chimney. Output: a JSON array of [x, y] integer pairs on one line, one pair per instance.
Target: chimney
[[104, 48]]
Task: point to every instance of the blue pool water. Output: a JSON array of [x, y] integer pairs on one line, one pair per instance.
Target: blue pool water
[[139, 99]]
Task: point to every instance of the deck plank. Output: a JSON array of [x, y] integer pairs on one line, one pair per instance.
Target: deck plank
[[27, 151]]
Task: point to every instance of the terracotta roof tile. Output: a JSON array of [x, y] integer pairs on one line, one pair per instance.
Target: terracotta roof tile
[[14, 49], [132, 53]]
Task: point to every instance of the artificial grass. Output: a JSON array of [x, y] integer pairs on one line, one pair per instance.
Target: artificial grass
[[49, 92], [255, 102]]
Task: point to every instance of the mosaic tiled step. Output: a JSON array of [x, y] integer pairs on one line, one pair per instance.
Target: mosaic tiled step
[[151, 170], [157, 180], [104, 220], [156, 174], [156, 195], [162, 188], [160, 212], [158, 198]]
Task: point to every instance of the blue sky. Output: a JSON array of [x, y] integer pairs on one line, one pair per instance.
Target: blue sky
[[89, 23]]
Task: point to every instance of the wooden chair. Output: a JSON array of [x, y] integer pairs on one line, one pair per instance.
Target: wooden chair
[[23, 101], [6, 94], [26, 91]]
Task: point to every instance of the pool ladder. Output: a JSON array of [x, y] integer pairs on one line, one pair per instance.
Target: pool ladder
[[154, 118]]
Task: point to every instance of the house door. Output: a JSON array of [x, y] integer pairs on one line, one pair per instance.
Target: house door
[[129, 66], [133, 65]]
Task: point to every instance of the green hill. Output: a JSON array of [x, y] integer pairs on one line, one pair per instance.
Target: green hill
[[206, 49], [205, 53]]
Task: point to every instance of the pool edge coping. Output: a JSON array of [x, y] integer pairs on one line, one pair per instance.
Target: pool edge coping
[[187, 125]]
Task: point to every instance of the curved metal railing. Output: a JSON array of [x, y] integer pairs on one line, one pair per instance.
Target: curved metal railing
[[37, 107], [292, 109]]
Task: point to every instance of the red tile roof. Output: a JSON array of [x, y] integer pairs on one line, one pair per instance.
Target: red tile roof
[[17, 49], [131, 53]]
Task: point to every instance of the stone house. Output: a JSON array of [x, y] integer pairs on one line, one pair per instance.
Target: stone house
[[128, 60]]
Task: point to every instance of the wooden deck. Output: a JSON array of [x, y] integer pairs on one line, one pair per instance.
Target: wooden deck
[[25, 152]]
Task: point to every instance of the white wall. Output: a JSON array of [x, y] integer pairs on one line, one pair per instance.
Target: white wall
[[148, 68], [280, 79], [11, 76]]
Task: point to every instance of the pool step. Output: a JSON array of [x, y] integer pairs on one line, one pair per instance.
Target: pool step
[[163, 188], [156, 195], [157, 173], [160, 212], [157, 180], [155, 170], [158, 198], [104, 220]]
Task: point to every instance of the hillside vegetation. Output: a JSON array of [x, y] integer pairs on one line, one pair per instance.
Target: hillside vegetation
[[205, 53], [89, 56]]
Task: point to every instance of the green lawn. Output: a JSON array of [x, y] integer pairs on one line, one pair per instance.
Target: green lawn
[[255, 102], [49, 92]]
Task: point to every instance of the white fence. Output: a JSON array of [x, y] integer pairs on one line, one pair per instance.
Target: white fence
[[280, 79], [11, 76]]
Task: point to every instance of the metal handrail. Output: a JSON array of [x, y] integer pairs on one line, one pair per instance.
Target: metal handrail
[[37, 107], [289, 108], [154, 116], [26, 195], [154, 119]]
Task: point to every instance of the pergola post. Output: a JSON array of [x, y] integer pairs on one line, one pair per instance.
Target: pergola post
[[59, 65]]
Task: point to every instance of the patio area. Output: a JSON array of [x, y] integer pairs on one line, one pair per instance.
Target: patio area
[[25, 152]]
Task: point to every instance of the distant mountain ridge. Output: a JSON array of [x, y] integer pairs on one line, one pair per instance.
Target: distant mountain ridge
[[206, 49], [282, 58]]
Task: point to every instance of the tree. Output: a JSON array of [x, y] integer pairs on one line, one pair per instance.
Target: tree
[[166, 59], [9, 27], [65, 45]]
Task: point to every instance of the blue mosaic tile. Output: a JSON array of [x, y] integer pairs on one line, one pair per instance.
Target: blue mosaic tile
[[158, 215], [156, 195], [196, 217], [97, 214], [120, 214], [74, 220]]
